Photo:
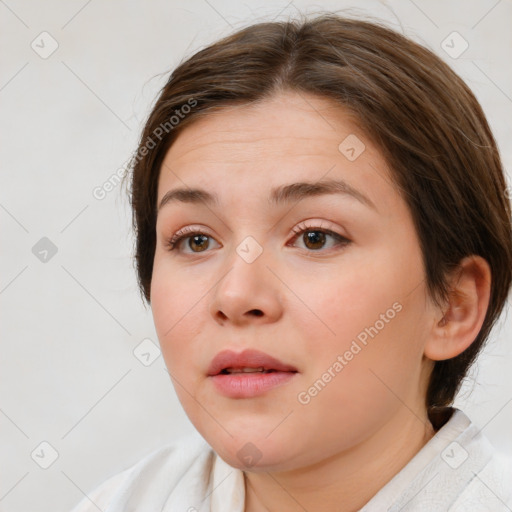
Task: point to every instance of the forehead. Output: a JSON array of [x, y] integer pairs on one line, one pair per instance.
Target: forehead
[[275, 124], [290, 137]]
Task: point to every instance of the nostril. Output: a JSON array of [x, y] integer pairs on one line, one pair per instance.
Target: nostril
[[256, 312]]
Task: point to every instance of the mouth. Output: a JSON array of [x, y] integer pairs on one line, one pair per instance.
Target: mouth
[[231, 371], [248, 361], [248, 374]]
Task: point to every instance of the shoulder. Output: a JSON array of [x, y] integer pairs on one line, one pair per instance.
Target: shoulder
[[487, 473], [479, 477], [154, 478], [456, 471], [490, 487]]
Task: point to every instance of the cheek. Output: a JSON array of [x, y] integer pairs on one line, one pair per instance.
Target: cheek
[[361, 384], [340, 303], [178, 315], [374, 309]]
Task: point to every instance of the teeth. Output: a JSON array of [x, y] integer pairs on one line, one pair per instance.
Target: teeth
[[245, 370]]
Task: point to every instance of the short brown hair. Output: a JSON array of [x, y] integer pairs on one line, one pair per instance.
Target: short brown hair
[[414, 107]]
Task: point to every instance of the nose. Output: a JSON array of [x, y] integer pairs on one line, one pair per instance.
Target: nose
[[248, 293]]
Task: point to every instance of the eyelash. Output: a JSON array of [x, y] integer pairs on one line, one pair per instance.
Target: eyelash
[[188, 232]]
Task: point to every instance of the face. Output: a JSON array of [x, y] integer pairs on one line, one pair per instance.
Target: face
[[292, 320]]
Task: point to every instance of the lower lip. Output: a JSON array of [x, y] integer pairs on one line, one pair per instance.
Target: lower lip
[[248, 385]]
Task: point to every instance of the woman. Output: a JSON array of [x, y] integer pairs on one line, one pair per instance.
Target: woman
[[323, 233]]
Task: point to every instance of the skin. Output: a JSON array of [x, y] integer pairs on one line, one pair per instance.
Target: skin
[[369, 420]]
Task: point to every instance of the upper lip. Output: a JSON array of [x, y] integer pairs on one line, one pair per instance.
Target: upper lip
[[246, 359]]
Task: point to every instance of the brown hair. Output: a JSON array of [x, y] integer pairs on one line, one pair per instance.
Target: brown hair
[[414, 107]]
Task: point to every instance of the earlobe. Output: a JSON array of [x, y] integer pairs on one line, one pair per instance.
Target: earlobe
[[457, 326]]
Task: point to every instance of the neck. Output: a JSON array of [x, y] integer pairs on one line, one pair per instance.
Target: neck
[[349, 478]]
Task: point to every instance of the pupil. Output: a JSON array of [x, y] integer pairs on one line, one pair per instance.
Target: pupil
[[317, 238]]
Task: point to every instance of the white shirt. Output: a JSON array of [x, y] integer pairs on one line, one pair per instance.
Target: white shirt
[[458, 470]]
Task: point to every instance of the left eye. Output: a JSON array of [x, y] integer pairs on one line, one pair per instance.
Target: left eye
[[315, 238]]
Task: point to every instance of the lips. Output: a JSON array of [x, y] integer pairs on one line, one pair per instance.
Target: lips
[[248, 361]]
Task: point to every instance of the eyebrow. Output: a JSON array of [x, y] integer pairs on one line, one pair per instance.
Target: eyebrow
[[282, 194]]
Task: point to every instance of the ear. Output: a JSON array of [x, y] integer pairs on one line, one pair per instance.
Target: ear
[[457, 326]]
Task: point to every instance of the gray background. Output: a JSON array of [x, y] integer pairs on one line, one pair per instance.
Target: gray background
[[71, 323]]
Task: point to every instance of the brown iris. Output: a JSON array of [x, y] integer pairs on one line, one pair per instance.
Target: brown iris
[[314, 239], [202, 242]]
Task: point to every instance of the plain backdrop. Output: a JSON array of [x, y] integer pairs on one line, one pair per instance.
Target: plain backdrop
[[79, 393]]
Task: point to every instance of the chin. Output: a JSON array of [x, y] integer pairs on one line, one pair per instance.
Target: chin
[[257, 455]]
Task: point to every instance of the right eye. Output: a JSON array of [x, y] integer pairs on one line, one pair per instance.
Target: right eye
[[196, 240]]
